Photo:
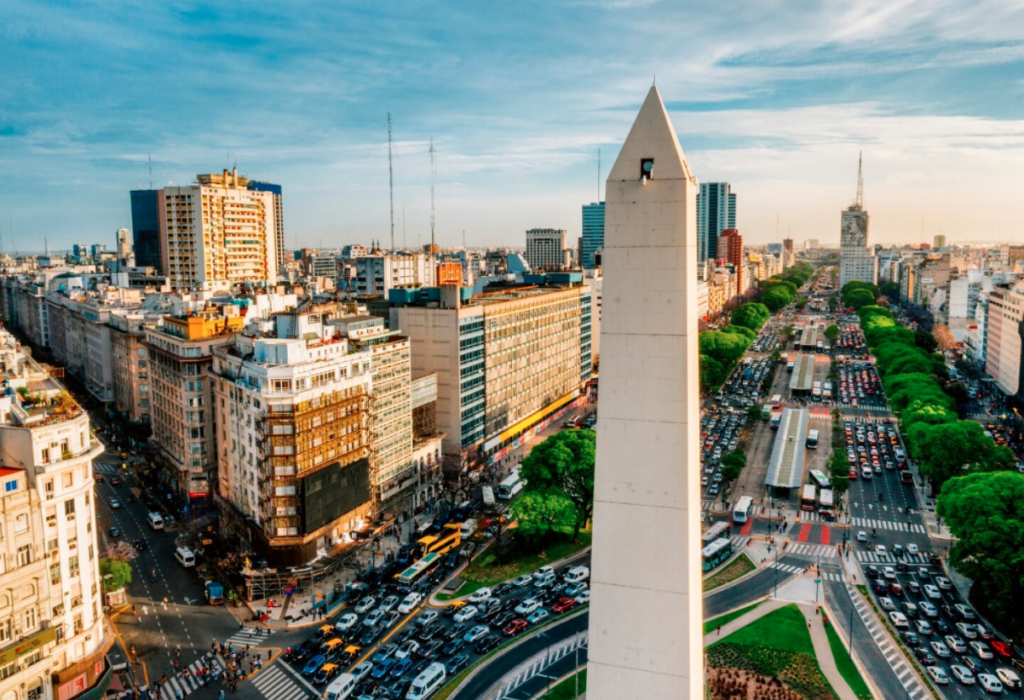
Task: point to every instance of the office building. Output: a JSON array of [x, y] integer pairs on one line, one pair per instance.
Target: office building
[[939, 242], [146, 239], [282, 254], [857, 261], [730, 249], [181, 354], [716, 211], [546, 249], [124, 243], [505, 360], [647, 478], [376, 274], [53, 634], [1003, 337], [218, 233], [593, 234]]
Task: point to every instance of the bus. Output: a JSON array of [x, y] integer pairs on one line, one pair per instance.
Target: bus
[[412, 575], [449, 538], [719, 529], [809, 497], [812, 439], [741, 512], [776, 420], [820, 479], [715, 553], [766, 411], [776, 400], [826, 505], [510, 486]]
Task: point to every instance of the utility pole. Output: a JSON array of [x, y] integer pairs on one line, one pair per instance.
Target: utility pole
[[391, 185], [433, 177], [860, 181], [149, 158]]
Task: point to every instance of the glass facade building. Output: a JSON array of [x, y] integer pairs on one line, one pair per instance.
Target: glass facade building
[[593, 233]]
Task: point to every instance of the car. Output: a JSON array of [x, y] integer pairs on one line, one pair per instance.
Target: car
[[984, 632], [910, 610], [524, 580], [981, 650], [889, 573], [1009, 678], [1001, 648], [455, 631], [879, 586], [480, 595], [401, 667], [140, 545], [362, 670], [527, 606], [538, 616], [389, 603], [456, 664], [427, 618], [98, 478], [115, 481], [880, 550], [940, 649], [925, 656], [910, 639], [115, 531], [374, 618], [408, 649], [114, 504], [304, 649], [928, 609], [965, 613], [574, 589], [956, 644], [931, 592], [346, 622], [966, 631], [365, 605], [383, 667], [861, 536], [476, 633], [990, 683], [962, 674], [974, 664], [503, 618], [913, 549], [515, 627], [897, 550], [872, 572], [453, 646], [937, 675], [502, 588], [369, 635], [923, 572], [314, 665], [896, 589], [583, 597], [467, 613], [486, 644], [542, 572], [887, 604], [409, 603], [564, 605], [944, 583], [923, 627]]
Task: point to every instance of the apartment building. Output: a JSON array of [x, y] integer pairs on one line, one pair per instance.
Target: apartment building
[[546, 249], [505, 360], [376, 274], [218, 233], [80, 340], [129, 361], [1003, 338], [181, 410], [53, 637]]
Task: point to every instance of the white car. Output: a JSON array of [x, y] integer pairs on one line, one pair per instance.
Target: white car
[[889, 573], [913, 549], [527, 606], [524, 580], [410, 603], [862, 536], [981, 650], [427, 618], [887, 604], [940, 649], [956, 644], [928, 609], [542, 572], [583, 598], [365, 605], [480, 595], [1009, 678], [944, 583], [880, 550], [899, 620], [346, 622], [937, 674], [966, 630], [478, 632], [389, 603], [466, 614], [962, 674], [931, 591], [990, 683], [374, 618], [408, 649], [362, 670]]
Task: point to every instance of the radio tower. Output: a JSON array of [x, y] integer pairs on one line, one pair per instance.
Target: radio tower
[[860, 181], [433, 176], [391, 185]]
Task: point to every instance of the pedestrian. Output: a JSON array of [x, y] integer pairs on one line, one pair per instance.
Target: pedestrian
[[718, 629], [221, 696]]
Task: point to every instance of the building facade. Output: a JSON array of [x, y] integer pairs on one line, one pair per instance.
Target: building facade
[[376, 274], [593, 234], [730, 249], [276, 190], [146, 229], [546, 248], [716, 211], [129, 361], [1003, 343]]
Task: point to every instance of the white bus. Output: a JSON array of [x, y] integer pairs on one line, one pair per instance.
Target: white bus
[[741, 512], [819, 478], [510, 486], [719, 529], [776, 400], [427, 683], [812, 440]]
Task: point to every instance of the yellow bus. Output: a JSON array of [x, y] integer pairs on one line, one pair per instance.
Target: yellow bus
[[448, 539]]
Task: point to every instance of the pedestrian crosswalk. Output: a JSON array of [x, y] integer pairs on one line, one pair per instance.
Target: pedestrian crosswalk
[[181, 685], [739, 542], [893, 657], [540, 663], [888, 525], [872, 557], [814, 517], [791, 569], [275, 684], [101, 468], [811, 550], [253, 636]]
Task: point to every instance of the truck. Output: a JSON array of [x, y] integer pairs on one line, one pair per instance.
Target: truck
[[215, 592], [826, 504]]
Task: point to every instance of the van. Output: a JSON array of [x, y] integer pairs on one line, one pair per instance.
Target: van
[[155, 521], [185, 557], [467, 528], [427, 683], [577, 574], [341, 687], [544, 580]]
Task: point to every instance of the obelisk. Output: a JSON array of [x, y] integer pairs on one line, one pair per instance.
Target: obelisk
[[645, 616]]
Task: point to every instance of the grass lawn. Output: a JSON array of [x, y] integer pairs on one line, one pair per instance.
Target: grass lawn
[[846, 666], [566, 690], [725, 619], [785, 629], [485, 570], [740, 566]]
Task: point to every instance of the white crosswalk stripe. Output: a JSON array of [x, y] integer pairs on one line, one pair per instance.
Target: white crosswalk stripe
[[894, 659], [176, 684], [275, 684], [248, 636], [739, 541], [888, 525], [872, 557], [104, 468], [811, 550]]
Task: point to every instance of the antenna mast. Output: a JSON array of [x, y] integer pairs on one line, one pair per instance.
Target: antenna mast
[[391, 185], [860, 180], [150, 159], [598, 175], [433, 176]]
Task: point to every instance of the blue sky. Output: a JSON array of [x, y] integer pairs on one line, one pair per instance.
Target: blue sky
[[775, 97]]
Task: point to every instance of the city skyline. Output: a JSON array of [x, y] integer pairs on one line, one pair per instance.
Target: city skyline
[[779, 108]]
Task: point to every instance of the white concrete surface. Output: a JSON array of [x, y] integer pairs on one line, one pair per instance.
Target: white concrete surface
[[646, 616]]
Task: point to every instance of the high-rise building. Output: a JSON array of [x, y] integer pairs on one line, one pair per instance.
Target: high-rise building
[[1004, 343], [129, 360], [716, 211], [146, 229], [939, 242], [647, 478], [218, 233], [593, 233], [52, 628], [376, 274], [124, 243], [546, 248], [533, 340], [857, 261], [730, 249], [282, 255]]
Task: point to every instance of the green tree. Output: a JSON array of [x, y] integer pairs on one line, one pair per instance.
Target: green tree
[[947, 450], [925, 340], [839, 472], [115, 574], [565, 461], [750, 315], [832, 332], [858, 298], [891, 291], [712, 373], [539, 513], [776, 298], [732, 465], [985, 513]]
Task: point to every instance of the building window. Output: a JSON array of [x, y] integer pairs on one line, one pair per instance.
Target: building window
[[68, 479], [10, 486], [69, 508], [21, 523], [73, 565], [8, 670], [5, 630], [24, 555], [30, 619]]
